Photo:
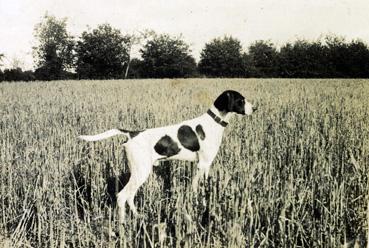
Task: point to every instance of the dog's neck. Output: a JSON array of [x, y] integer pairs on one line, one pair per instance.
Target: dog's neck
[[224, 116]]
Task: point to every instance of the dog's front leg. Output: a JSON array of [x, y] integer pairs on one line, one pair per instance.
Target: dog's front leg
[[195, 180], [202, 171]]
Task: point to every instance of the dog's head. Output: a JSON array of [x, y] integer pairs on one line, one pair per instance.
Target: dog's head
[[232, 101]]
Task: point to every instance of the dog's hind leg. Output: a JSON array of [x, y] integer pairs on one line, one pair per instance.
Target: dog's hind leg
[[136, 183], [121, 200], [141, 167], [127, 194]]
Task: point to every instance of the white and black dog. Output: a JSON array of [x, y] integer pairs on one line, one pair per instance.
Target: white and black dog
[[191, 140]]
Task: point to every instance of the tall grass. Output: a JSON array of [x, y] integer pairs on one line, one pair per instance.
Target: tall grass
[[295, 174]]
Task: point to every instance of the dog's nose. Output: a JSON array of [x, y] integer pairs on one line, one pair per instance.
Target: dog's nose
[[254, 108]]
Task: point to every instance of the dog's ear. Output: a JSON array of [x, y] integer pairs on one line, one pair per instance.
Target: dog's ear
[[222, 102], [225, 102], [230, 101]]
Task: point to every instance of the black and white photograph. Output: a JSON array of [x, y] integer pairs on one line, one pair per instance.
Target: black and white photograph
[[239, 123]]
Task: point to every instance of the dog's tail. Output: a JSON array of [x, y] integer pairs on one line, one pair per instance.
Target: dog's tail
[[105, 135]]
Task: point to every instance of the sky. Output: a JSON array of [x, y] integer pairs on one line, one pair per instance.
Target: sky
[[198, 21]]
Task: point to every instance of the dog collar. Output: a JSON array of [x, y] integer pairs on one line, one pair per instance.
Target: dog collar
[[217, 119]]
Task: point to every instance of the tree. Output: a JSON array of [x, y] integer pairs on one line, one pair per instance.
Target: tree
[[136, 39], [16, 74], [337, 55], [135, 69], [1, 72], [167, 57], [54, 53], [347, 59], [102, 53], [303, 59], [263, 55], [222, 57], [358, 60], [1, 58], [16, 62]]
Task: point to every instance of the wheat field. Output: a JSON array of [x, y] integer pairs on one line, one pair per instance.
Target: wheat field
[[295, 174]]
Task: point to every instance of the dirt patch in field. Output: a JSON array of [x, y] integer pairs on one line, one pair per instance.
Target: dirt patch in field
[[176, 83], [203, 97]]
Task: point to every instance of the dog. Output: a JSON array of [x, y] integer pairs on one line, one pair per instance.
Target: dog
[[197, 139]]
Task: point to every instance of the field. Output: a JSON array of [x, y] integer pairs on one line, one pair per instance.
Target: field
[[295, 174]]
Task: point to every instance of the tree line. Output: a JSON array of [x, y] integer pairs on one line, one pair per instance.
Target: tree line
[[105, 53]]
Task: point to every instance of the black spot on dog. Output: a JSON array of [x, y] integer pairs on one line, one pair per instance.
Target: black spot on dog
[[188, 138], [200, 132], [131, 134], [166, 146]]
